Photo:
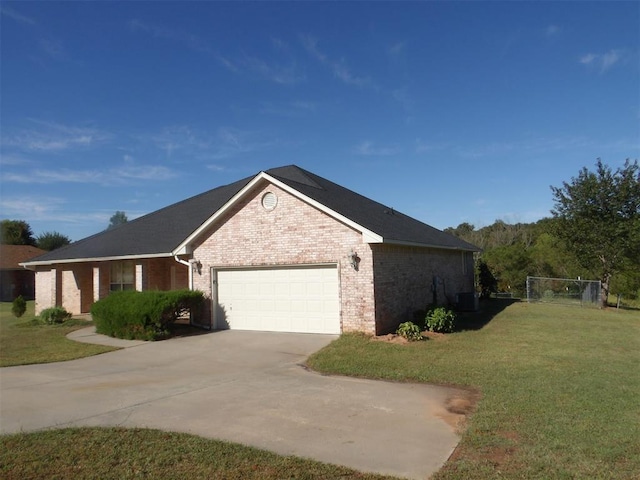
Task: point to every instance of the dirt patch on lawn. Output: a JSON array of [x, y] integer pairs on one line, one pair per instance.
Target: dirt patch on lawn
[[391, 338], [400, 340], [459, 407]]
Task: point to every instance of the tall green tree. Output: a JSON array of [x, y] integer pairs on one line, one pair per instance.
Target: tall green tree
[[598, 216], [16, 232], [116, 219], [52, 240]]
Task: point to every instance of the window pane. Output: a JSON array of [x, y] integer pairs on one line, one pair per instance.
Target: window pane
[[127, 273]]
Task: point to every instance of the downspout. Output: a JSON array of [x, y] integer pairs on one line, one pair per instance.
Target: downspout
[[190, 269]]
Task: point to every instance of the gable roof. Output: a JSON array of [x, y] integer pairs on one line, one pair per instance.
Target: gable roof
[[169, 231], [12, 255]]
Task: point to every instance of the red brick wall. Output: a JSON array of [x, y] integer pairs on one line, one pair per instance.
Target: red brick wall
[[291, 234]]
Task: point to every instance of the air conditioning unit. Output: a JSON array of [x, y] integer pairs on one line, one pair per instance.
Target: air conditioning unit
[[467, 302]]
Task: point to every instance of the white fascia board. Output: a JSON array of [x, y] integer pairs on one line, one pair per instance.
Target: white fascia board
[[28, 265], [185, 247]]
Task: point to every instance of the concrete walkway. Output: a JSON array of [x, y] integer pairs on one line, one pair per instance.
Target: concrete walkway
[[89, 335], [246, 387]]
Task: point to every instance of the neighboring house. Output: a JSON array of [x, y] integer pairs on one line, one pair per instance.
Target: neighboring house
[[14, 279], [285, 250]]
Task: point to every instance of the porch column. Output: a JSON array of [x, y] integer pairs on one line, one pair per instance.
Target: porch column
[[96, 284], [54, 287], [140, 272]]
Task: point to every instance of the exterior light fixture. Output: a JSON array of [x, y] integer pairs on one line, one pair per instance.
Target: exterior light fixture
[[354, 260], [196, 266]]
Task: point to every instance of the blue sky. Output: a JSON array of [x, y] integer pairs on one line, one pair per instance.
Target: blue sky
[[449, 112]]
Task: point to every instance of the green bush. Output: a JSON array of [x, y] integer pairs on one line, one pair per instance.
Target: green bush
[[54, 315], [19, 306], [143, 315], [441, 319], [410, 331]]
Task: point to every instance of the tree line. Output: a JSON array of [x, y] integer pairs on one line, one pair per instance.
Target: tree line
[[19, 232], [593, 233]]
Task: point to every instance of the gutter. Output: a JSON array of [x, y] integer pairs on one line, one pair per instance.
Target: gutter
[[189, 265]]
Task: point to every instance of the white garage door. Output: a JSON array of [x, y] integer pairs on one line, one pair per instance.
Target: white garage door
[[282, 299]]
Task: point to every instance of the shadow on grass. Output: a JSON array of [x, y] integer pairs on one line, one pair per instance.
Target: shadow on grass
[[489, 308]]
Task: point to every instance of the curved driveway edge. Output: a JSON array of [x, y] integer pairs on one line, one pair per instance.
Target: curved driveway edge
[[245, 387], [89, 335]]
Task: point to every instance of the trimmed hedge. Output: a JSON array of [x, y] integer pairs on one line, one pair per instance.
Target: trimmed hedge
[[145, 315]]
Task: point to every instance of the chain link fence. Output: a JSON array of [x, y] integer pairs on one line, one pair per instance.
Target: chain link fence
[[568, 291]]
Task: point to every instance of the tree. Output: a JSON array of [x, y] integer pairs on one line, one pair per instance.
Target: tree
[[16, 232], [116, 219], [599, 217], [19, 306], [52, 240], [488, 283]]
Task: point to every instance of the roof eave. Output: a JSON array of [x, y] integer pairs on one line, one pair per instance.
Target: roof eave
[[428, 245], [42, 263]]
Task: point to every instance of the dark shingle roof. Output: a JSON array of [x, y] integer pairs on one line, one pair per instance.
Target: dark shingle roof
[[393, 226], [12, 255], [160, 232]]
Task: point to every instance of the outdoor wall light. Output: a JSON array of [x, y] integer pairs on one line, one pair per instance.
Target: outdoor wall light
[[196, 266], [354, 260]]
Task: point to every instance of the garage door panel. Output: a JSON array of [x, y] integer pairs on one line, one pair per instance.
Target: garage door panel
[[290, 299]]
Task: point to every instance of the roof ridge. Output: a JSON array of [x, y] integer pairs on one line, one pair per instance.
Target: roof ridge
[[295, 174]]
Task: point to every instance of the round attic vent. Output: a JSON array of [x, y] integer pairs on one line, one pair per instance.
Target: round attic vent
[[269, 201]]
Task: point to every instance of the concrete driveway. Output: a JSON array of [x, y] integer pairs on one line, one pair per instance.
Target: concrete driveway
[[246, 387]]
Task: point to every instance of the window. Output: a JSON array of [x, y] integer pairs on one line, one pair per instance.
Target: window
[[122, 276]]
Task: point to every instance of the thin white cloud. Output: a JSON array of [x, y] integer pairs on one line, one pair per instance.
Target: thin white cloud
[[284, 75], [367, 148], [53, 137], [288, 109], [537, 145], [231, 142], [17, 16], [11, 159], [190, 40], [339, 68], [423, 147], [179, 138], [396, 49], [602, 61], [115, 176], [53, 49], [54, 210], [552, 31]]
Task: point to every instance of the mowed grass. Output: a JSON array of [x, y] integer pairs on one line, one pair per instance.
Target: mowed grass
[[117, 453], [23, 342], [559, 385]]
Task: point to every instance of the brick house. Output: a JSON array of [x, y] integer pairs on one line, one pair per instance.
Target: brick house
[[285, 250], [15, 280]]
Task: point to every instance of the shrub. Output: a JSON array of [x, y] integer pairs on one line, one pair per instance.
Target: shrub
[[54, 315], [441, 320], [410, 331], [143, 315], [19, 306]]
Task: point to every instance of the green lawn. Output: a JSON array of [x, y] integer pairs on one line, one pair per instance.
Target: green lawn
[[560, 389], [22, 342], [118, 453]]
